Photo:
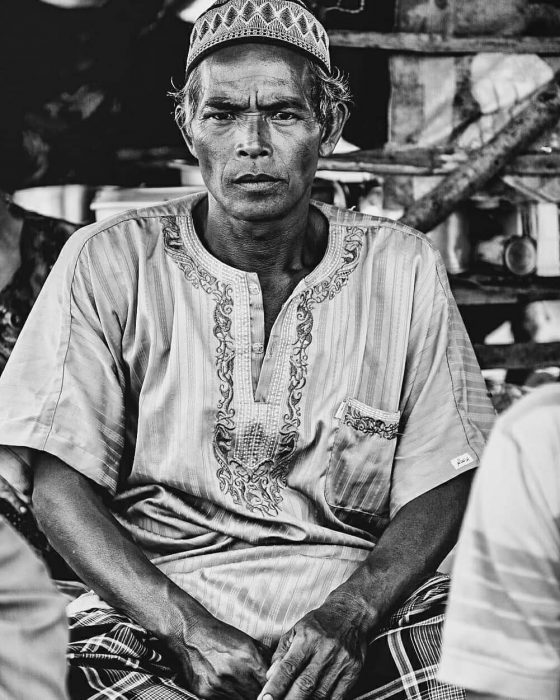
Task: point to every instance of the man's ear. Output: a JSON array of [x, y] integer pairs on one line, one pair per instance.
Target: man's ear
[[334, 132], [187, 136]]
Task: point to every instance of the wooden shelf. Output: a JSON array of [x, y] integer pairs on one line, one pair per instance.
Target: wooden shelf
[[518, 355], [423, 161], [479, 289], [403, 42]]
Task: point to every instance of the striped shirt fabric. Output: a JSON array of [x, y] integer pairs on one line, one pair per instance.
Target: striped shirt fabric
[[33, 624], [502, 634], [257, 478]]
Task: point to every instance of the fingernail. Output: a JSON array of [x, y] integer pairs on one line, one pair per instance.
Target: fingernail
[[268, 696]]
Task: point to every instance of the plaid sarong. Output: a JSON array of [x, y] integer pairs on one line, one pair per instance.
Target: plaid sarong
[[111, 657]]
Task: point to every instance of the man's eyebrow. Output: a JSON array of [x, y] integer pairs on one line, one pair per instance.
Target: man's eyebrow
[[284, 103], [275, 104], [223, 103]]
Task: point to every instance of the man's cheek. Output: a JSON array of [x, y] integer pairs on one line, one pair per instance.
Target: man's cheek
[[306, 159]]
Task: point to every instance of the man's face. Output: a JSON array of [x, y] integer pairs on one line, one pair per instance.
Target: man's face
[[254, 132]]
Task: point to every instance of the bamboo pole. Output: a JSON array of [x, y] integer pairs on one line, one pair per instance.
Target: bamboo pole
[[433, 208]]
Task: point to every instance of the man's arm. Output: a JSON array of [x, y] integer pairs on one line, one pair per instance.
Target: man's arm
[[214, 658], [322, 656]]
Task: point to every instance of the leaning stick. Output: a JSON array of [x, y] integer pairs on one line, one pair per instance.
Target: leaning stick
[[434, 207]]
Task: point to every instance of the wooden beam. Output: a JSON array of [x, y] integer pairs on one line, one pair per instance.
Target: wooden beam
[[413, 161], [518, 355], [534, 164], [431, 162], [482, 290], [405, 42]]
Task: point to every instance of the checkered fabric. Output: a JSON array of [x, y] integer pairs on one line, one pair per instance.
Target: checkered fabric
[[278, 21], [402, 660], [113, 658]]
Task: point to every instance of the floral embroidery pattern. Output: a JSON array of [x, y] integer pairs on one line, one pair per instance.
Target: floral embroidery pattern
[[257, 481], [369, 425], [224, 426]]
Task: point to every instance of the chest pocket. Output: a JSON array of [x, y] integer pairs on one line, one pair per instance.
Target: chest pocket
[[359, 474]]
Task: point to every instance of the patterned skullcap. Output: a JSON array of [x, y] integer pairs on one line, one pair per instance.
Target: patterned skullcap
[[287, 22]]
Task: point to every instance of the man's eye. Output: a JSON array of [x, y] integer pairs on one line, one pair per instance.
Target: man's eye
[[221, 116], [283, 116]]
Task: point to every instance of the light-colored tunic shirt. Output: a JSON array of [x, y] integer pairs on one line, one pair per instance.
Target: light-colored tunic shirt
[[258, 481], [502, 634]]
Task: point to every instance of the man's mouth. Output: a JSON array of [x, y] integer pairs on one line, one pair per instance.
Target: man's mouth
[[256, 178]]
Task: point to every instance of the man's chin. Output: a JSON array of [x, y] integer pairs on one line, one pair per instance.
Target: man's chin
[[262, 208]]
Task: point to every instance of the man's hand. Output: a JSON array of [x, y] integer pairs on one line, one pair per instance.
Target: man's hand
[[214, 659], [218, 661], [320, 657]]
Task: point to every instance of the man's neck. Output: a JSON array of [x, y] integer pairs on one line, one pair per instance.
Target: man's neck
[[291, 246]]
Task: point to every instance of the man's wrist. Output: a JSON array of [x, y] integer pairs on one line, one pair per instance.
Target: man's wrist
[[176, 614], [354, 609]]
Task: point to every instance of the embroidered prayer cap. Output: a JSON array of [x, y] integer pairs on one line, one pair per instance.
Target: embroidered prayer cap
[[287, 22]]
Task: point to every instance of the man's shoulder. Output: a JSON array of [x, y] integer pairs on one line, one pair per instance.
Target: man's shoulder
[[532, 428], [142, 222], [377, 226], [131, 234], [538, 410]]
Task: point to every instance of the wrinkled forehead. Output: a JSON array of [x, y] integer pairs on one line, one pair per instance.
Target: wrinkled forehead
[[253, 69]]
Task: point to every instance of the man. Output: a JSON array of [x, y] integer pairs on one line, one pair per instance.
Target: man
[[253, 417], [33, 625], [502, 636]]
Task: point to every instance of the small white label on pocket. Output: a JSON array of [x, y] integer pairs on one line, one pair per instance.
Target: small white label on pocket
[[462, 461]]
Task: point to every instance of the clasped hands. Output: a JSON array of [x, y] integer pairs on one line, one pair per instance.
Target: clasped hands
[[319, 658]]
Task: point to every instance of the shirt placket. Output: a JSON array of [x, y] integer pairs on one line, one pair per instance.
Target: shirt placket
[[256, 324]]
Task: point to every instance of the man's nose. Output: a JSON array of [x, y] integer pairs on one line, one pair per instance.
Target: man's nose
[[253, 138]]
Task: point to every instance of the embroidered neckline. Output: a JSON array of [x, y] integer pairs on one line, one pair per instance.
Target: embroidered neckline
[[192, 242]]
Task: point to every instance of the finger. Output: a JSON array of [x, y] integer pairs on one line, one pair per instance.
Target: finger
[[283, 646], [305, 684], [319, 679], [339, 691], [270, 671], [336, 686], [285, 671]]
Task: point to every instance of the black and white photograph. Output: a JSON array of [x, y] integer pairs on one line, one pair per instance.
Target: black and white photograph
[[279, 350]]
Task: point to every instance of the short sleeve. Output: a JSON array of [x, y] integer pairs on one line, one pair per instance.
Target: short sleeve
[[62, 390], [502, 633], [446, 414]]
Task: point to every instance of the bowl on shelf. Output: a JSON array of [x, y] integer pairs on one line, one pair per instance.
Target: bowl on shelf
[[68, 202], [109, 201]]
